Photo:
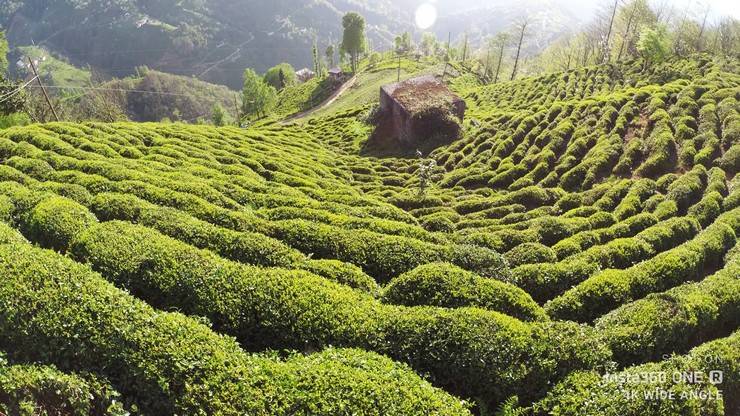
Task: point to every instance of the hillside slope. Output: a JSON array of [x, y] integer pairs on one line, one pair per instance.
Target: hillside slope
[[587, 222], [215, 40]]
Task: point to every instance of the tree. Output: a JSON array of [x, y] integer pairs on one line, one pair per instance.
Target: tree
[[631, 18], [258, 96], [280, 76], [726, 37], [317, 66], [353, 39], [521, 28], [3, 54], [606, 49], [14, 100], [500, 41], [329, 53], [403, 43], [654, 44], [428, 43], [218, 115]]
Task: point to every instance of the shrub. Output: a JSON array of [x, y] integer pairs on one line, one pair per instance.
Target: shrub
[[706, 210], [628, 393], [480, 260], [46, 391], [669, 233], [448, 286], [8, 235], [54, 222], [529, 253], [343, 273], [278, 308], [245, 247], [675, 320], [544, 281], [59, 311], [611, 288], [438, 222]]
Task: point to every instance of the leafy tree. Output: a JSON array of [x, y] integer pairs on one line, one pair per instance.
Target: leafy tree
[[14, 101], [353, 39], [375, 58], [630, 18], [3, 54], [329, 53], [428, 43], [500, 41], [273, 76], [654, 44], [218, 116], [317, 66], [258, 96], [403, 43]]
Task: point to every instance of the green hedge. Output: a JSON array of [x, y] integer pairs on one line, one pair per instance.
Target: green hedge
[[245, 247], [446, 285], [60, 312], [55, 221], [528, 253], [546, 280], [343, 273], [382, 256], [675, 320], [611, 288], [276, 308], [627, 393], [45, 391], [9, 235]]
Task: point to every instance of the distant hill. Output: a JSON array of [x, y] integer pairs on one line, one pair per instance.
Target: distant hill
[[157, 95], [216, 39]]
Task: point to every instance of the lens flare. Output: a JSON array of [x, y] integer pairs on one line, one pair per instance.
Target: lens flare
[[426, 15]]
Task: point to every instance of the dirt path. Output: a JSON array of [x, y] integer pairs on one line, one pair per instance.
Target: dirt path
[[333, 97]]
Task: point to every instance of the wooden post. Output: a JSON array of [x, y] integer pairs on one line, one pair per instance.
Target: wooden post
[[48, 101], [236, 108], [398, 76], [465, 48]]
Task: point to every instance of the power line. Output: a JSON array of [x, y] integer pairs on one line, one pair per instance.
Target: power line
[[58, 87], [9, 95]]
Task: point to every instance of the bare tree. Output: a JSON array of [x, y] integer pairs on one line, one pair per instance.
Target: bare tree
[[522, 29], [606, 50], [699, 43], [500, 41], [626, 35]]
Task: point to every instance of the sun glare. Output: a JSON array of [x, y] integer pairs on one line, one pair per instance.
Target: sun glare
[[426, 15]]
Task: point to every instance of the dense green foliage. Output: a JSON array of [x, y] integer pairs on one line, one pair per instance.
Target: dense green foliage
[[605, 195]]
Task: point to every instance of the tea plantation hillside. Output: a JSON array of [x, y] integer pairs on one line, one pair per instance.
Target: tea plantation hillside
[[578, 241]]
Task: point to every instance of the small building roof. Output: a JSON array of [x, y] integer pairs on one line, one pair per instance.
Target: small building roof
[[418, 93], [304, 71], [336, 71]]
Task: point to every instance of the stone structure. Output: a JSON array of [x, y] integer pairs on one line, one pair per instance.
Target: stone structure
[[419, 108]]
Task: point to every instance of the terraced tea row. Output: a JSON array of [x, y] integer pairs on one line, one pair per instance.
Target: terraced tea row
[[607, 196]]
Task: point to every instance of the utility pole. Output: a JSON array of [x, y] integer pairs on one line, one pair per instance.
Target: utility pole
[[48, 101], [398, 76], [488, 63], [236, 109], [465, 48]]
